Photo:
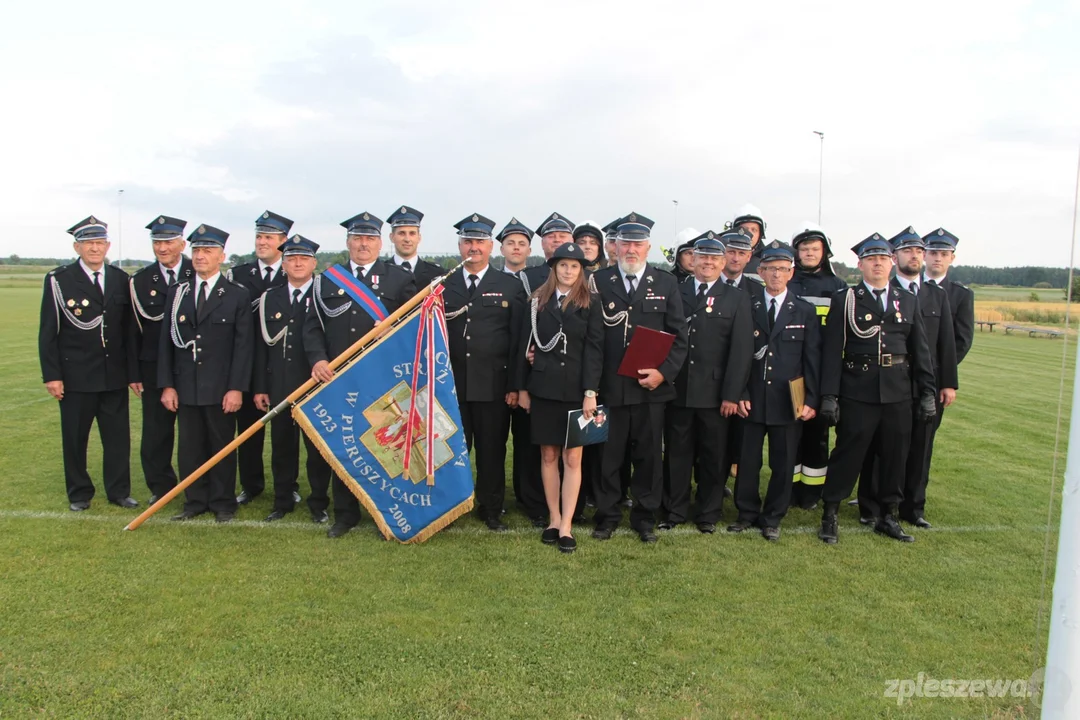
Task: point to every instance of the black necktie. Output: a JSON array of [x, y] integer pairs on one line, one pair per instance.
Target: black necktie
[[630, 278], [914, 288], [731, 282], [267, 278], [201, 300], [877, 297], [931, 282], [360, 273], [407, 265], [97, 284], [702, 289], [472, 284], [295, 295], [172, 277], [772, 313]]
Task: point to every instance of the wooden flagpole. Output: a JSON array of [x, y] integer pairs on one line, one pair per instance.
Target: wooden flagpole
[[295, 395]]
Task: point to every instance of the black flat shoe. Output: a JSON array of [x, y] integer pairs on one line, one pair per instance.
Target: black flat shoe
[[224, 517], [338, 529], [567, 544], [496, 525], [244, 498], [79, 506], [602, 533], [186, 515], [128, 503], [647, 536], [319, 517], [707, 528], [667, 525], [276, 515], [538, 522], [738, 527], [772, 534], [549, 536]]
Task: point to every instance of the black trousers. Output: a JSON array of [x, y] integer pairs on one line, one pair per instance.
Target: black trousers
[[250, 454], [639, 428], [528, 484], [884, 430], [158, 438], [783, 448], [812, 459], [695, 444], [916, 474], [78, 411], [486, 426], [285, 466], [204, 430], [592, 465]]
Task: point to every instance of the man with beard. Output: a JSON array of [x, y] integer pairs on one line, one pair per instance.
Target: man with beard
[[405, 237], [937, 319], [749, 219], [258, 277], [816, 283], [707, 389], [88, 361], [333, 322], [634, 295], [484, 318], [515, 244], [874, 361], [149, 286]]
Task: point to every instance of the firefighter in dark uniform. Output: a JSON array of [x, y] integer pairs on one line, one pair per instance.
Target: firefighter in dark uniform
[[258, 277], [333, 322], [682, 261], [484, 316], [515, 245], [874, 360], [527, 482], [787, 345], [707, 389], [750, 220], [88, 360], [740, 251], [281, 366], [149, 287], [204, 367], [816, 283], [405, 237], [633, 295], [940, 254]]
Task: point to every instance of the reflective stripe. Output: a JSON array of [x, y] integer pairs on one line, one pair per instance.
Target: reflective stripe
[[813, 476]]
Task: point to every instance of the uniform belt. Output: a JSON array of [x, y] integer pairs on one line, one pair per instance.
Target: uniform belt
[[887, 360]]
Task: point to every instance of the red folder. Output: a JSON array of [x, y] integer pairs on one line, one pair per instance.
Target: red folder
[[647, 349]]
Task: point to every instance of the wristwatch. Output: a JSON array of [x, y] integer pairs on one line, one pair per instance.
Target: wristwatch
[[590, 393]]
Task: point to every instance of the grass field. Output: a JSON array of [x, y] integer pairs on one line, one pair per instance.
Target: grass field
[[248, 620]]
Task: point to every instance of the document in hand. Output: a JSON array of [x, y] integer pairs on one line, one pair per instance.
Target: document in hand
[[647, 349]]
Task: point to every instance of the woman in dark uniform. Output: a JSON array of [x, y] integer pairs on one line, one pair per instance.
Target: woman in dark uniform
[[565, 329]]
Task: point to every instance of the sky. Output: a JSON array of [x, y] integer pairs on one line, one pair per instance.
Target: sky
[[934, 113]]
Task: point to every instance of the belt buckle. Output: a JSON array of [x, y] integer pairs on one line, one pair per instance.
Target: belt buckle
[[886, 360]]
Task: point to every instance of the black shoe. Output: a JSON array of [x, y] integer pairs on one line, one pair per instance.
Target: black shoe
[[338, 529], [808, 505], [667, 525], [550, 536], [578, 520], [276, 515], [243, 498], [319, 517], [853, 503], [707, 528], [647, 536], [79, 506], [224, 517], [296, 497], [186, 515], [889, 527], [738, 526], [128, 502], [602, 533], [921, 522], [772, 534], [868, 520], [567, 544], [495, 525], [538, 522], [627, 503], [830, 526], [590, 502], [153, 499], [727, 491]]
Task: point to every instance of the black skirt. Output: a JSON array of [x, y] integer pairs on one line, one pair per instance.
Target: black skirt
[[547, 418]]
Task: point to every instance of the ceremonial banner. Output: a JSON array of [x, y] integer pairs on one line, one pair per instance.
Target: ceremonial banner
[[391, 398]]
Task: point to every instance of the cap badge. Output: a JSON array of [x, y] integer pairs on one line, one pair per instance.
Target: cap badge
[[940, 232], [711, 235], [161, 220], [476, 218], [366, 216], [93, 220], [403, 208], [202, 229], [632, 218], [554, 216], [513, 221], [266, 214]]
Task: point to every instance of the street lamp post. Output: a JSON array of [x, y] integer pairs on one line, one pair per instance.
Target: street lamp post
[[676, 203], [821, 170], [120, 228]]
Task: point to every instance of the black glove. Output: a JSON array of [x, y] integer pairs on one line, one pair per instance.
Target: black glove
[[830, 410], [927, 407]]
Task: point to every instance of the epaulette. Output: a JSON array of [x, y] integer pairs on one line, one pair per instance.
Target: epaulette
[[146, 268], [398, 268], [60, 269]]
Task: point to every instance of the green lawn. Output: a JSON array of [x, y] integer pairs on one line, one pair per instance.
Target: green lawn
[[250, 620]]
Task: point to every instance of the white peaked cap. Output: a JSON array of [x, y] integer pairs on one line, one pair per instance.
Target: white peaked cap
[[686, 235]]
